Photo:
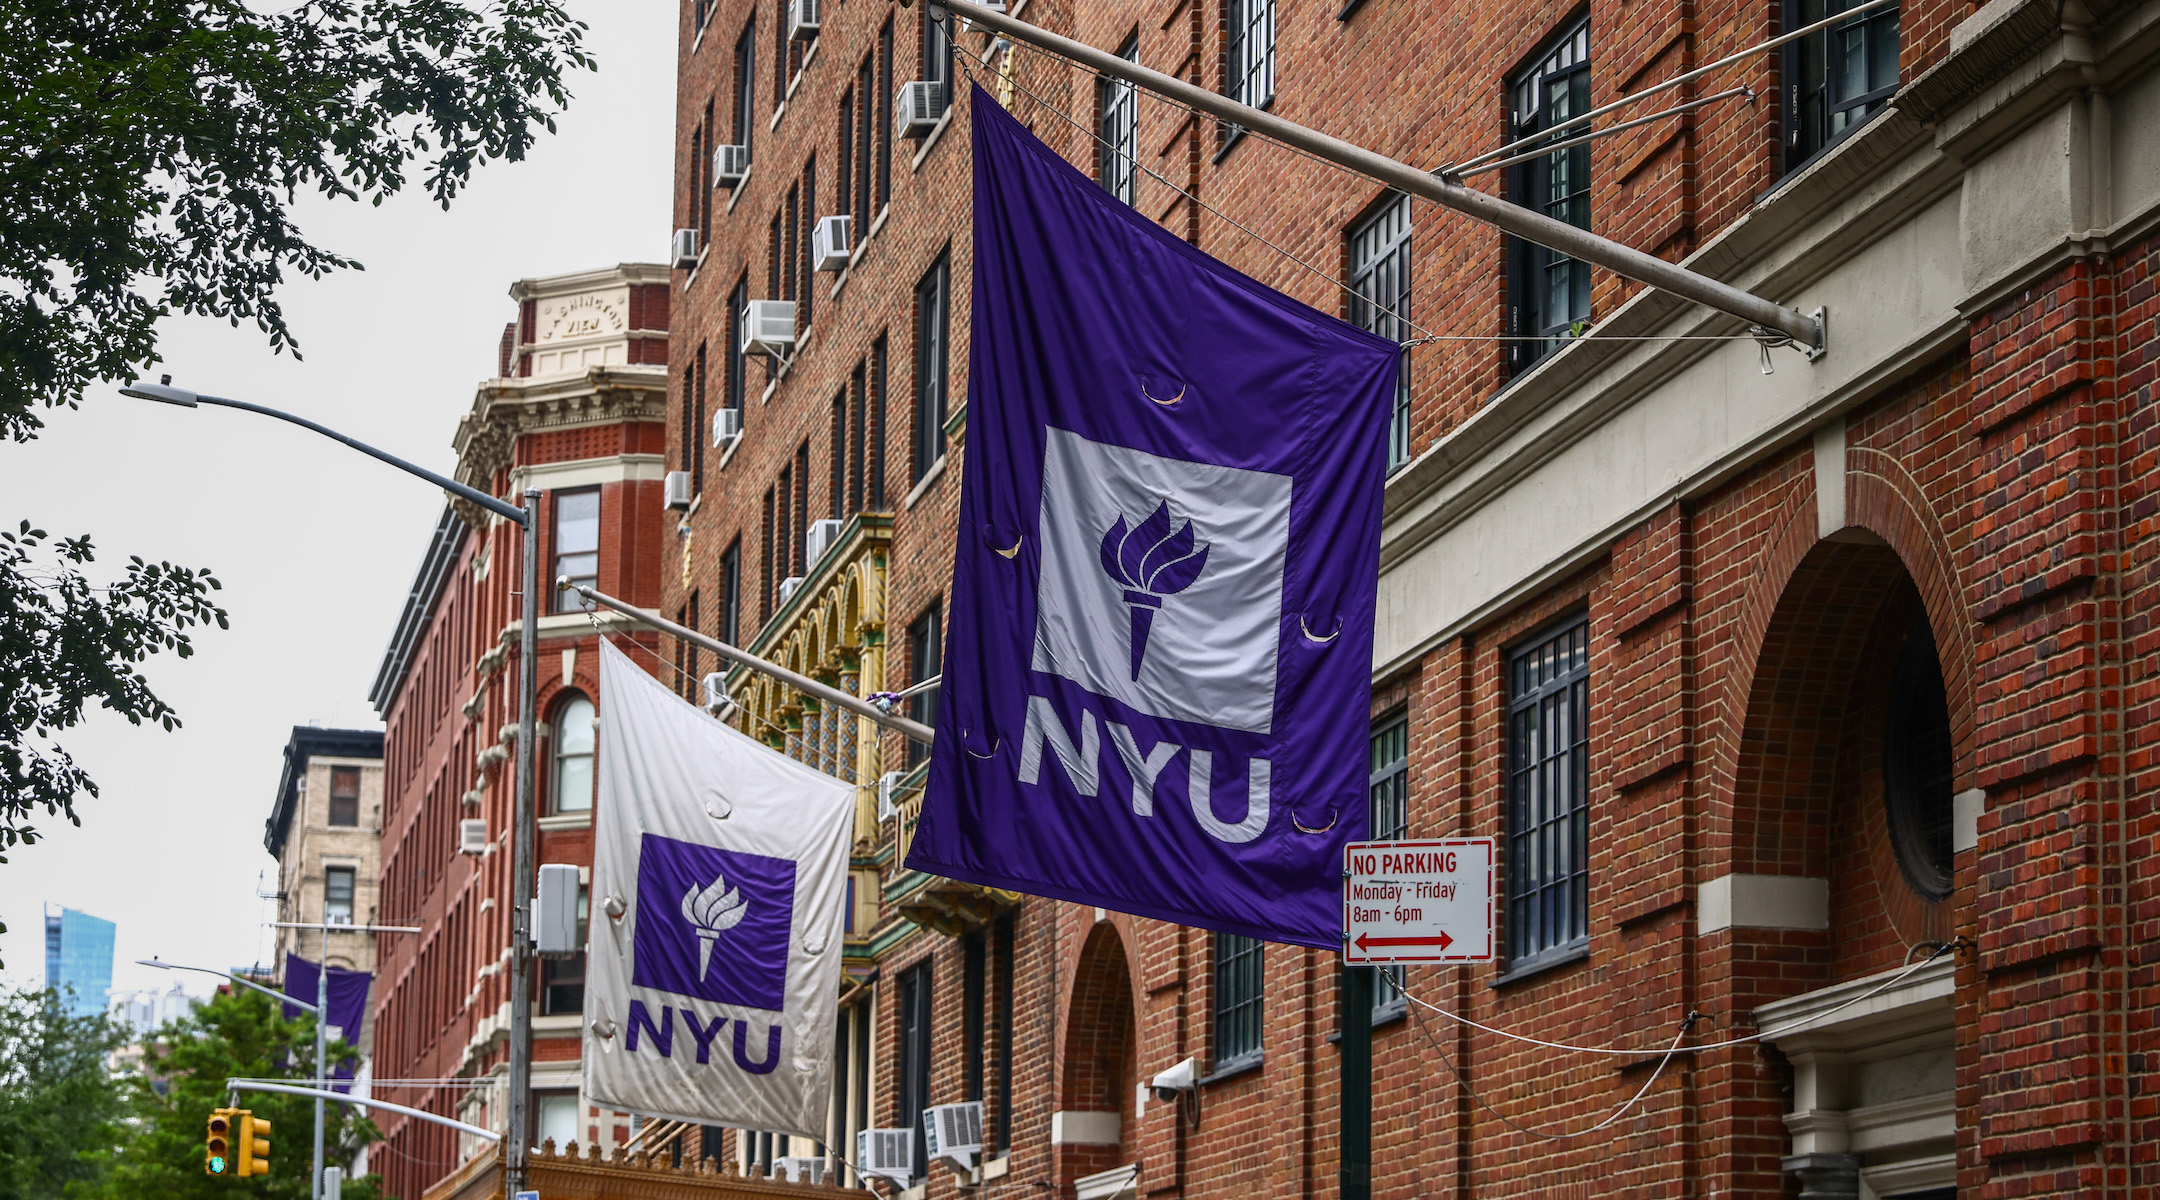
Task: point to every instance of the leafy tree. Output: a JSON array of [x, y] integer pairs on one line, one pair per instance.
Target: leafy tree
[[59, 1106], [239, 1036], [149, 153]]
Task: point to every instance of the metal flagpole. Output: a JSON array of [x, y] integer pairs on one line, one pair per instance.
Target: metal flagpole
[[1524, 223], [517, 1139], [322, 1044]]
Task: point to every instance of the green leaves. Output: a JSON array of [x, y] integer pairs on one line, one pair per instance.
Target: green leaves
[[64, 644], [59, 1108]]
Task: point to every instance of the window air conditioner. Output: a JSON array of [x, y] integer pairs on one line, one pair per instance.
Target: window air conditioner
[[953, 1132], [726, 426], [472, 835], [886, 1154], [821, 537], [717, 700], [684, 254], [887, 785], [788, 587], [729, 165], [768, 328], [677, 487], [799, 1169], [802, 20], [919, 105], [555, 923], [829, 243]]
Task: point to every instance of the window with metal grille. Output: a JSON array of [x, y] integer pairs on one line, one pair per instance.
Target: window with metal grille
[[344, 795], [1548, 819], [576, 543], [1548, 292], [1835, 78], [931, 323], [1380, 301], [914, 1066], [1116, 155], [1249, 53], [1236, 1029], [1388, 786]]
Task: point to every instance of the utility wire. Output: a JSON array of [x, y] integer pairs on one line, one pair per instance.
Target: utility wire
[[1544, 1135]]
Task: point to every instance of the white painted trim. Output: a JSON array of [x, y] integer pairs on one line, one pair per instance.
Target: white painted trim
[[1113, 1184], [1965, 810], [1084, 1128], [590, 472], [929, 480], [1830, 478], [1762, 902]]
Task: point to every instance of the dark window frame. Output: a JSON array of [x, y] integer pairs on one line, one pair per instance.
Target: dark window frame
[[926, 653], [1553, 86], [933, 365], [746, 86], [1236, 1033], [351, 876], [1812, 79], [1381, 265], [1249, 51], [1547, 872], [730, 627], [1387, 792], [344, 804], [1117, 107], [911, 1074]]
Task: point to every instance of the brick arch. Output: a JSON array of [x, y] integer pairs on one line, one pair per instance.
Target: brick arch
[[1099, 1060]]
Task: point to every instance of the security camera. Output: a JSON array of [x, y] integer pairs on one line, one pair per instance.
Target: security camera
[[1183, 1077]]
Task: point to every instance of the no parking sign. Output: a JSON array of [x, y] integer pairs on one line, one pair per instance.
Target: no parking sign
[[1418, 902]]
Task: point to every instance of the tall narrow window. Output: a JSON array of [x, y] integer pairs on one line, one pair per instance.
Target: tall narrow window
[[884, 115], [337, 895], [1249, 52], [850, 1111], [783, 528], [775, 255], [865, 150], [913, 1069], [799, 529], [1388, 786], [1835, 79], [1236, 1027], [576, 542], [925, 645], [1548, 820], [737, 363], [876, 485], [692, 218], [858, 400], [1548, 292], [344, 795], [931, 324], [573, 737], [730, 630], [698, 435], [974, 1012], [746, 85], [1116, 162], [702, 172], [691, 652], [805, 262], [1001, 981], [792, 247], [844, 184], [1380, 301], [937, 53], [836, 459], [766, 581]]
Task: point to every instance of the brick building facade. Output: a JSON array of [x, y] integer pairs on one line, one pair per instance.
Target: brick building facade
[[575, 409], [1775, 676]]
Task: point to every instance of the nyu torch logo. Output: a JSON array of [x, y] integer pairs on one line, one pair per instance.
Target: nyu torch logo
[[1151, 560], [711, 912]]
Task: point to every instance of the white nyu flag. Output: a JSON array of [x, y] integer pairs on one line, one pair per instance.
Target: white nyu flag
[[719, 876]]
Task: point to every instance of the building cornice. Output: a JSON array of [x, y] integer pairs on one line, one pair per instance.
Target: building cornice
[[504, 410]]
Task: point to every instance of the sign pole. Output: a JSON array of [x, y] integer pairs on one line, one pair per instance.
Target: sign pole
[[1355, 1174]]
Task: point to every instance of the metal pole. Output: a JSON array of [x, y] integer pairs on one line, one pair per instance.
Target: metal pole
[[517, 1138], [1356, 1168], [287, 1089], [1524, 223], [322, 1046], [801, 683]]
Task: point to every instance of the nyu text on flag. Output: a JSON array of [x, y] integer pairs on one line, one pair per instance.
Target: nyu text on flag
[[1157, 682], [719, 875]]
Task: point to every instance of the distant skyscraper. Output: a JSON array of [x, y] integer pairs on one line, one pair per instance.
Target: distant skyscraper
[[79, 956]]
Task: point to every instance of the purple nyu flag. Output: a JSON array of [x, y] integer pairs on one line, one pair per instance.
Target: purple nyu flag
[[1157, 681]]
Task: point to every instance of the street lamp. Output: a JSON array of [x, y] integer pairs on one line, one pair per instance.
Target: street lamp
[[517, 1143]]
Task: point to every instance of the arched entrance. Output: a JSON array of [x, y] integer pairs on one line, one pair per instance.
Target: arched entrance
[[1095, 1129]]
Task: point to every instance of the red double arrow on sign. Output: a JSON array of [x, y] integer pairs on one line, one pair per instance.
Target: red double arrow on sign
[[1366, 942]]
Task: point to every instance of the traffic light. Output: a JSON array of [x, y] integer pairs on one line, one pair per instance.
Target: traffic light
[[251, 1144], [217, 1146]]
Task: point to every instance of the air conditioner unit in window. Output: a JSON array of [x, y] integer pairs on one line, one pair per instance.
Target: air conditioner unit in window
[[729, 165], [953, 1132], [802, 20], [555, 923], [717, 700], [788, 587], [821, 537], [918, 107], [886, 1154], [799, 1169], [472, 835], [829, 244], [768, 328], [677, 488], [888, 784], [726, 426], [684, 254]]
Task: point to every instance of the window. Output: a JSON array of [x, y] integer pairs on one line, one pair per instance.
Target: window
[[937, 53], [701, 172], [876, 459], [573, 734], [730, 630], [799, 528], [737, 363], [913, 1069], [1837, 78], [577, 543], [858, 402], [850, 1113], [1237, 1001], [555, 1116], [1917, 765], [884, 114], [562, 980], [1116, 161], [337, 903], [851, 114], [766, 581], [1380, 301], [930, 368], [1388, 785], [1548, 292], [1249, 52], [1548, 796], [806, 261], [974, 1012], [746, 85], [836, 457], [865, 150], [925, 638], [1001, 979], [697, 430], [344, 795]]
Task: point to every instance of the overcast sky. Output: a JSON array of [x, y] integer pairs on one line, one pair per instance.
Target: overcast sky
[[314, 543]]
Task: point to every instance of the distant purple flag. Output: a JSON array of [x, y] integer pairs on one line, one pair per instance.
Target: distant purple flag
[[348, 1002], [1157, 682]]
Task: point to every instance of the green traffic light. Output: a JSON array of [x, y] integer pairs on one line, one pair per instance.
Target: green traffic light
[[217, 1165]]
